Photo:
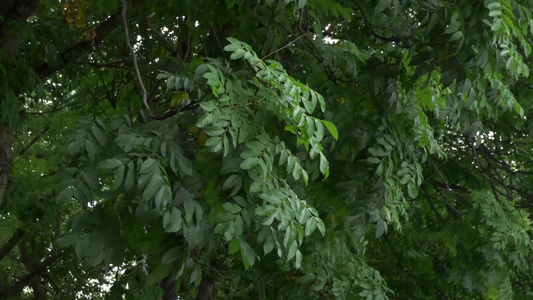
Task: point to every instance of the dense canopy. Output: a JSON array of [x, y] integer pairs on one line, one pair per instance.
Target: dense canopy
[[261, 149]]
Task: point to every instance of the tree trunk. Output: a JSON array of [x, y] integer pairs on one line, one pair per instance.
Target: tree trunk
[[18, 11], [204, 288], [6, 143]]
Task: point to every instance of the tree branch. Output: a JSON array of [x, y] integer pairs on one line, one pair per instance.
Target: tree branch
[[29, 263], [16, 288], [168, 44], [68, 56], [283, 47], [11, 243], [369, 24], [35, 139], [433, 208]]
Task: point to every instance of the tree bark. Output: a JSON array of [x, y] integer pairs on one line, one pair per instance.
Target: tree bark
[[168, 285], [204, 288], [6, 143]]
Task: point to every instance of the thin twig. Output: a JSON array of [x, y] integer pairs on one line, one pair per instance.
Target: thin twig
[[433, 208], [478, 164], [114, 65], [168, 44], [34, 140], [216, 37], [134, 56], [448, 189], [283, 47]]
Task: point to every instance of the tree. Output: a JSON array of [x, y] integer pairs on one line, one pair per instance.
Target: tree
[[265, 149]]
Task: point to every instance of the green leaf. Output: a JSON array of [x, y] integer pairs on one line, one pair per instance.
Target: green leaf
[[247, 253], [493, 5], [99, 135], [108, 164], [231, 207], [264, 210], [292, 250], [151, 189], [231, 181], [297, 172], [452, 28], [119, 177], [231, 47], [299, 258], [412, 190], [268, 246], [189, 206], [273, 196], [158, 274], [66, 194], [321, 226], [377, 151], [162, 198], [148, 166], [456, 36], [208, 106], [373, 160], [234, 246], [170, 255], [324, 166], [291, 163], [172, 221], [90, 178], [130, 177], [67, 240], [331, 128], [185, 165], [249, 163], [238, 53], [310, 226], [382, 5]]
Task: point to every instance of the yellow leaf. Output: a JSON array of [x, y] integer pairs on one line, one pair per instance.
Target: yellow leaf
[[200, 140], [178, 98], [192, 130]]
